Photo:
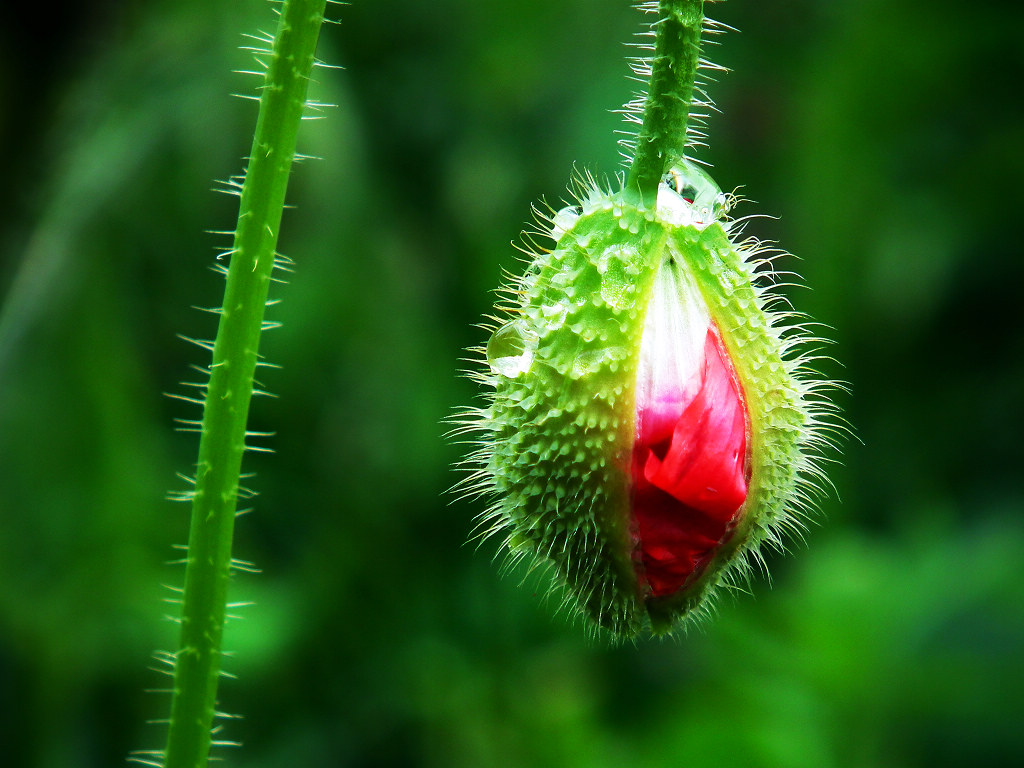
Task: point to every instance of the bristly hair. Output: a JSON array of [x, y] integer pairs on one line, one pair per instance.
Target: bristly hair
[[640, 67]]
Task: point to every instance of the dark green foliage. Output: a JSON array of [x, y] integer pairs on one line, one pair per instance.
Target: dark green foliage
[[885, 135]]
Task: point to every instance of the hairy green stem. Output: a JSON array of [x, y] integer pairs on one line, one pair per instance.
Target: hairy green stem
[[235, 357], [662, 137]]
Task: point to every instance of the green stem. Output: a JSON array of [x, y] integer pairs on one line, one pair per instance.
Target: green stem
[[235, 357], [662, 137]]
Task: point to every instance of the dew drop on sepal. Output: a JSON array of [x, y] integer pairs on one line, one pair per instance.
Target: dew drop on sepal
[[510, 349], [691, 196], [563, 221]]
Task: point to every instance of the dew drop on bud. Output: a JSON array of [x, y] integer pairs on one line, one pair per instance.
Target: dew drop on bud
[[691, 196], [510, 349], [553, 315], [563, 221]]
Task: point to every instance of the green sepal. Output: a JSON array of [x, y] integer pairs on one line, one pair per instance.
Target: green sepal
[[562, 431], [560, 425]]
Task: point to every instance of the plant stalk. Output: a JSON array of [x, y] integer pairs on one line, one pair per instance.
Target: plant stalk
[[235, 358], [662, 137]]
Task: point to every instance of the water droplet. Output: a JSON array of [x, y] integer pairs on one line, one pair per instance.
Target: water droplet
[[563, 221], [591, 360], [688, 196], [554, 314], [510, 349]]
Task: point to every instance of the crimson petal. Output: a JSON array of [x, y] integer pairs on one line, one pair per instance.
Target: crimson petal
[[689, 487]]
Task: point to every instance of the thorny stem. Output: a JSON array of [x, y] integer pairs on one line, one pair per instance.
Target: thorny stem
[[235, 357], [662, 137]]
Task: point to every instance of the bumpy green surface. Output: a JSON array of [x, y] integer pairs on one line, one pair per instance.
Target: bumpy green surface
[[563, 430], [560, 426]]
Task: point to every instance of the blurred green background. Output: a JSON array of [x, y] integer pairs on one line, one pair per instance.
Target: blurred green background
[[886, 135]]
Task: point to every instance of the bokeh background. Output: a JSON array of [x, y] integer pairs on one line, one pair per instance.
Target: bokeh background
[[887, 136]]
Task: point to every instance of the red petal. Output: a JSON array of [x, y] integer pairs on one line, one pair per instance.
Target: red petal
[[660, 416], [689, 485]]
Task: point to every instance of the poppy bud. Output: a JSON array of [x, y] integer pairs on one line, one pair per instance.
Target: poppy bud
[[648, 425]]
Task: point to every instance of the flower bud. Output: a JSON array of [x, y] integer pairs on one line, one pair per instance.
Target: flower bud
[[648, 425]]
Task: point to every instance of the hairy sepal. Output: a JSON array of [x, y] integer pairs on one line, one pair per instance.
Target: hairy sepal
[[556, 438]]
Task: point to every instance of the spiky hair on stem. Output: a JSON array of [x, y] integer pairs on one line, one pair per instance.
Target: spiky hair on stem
[[641, 70], [653, 416]]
